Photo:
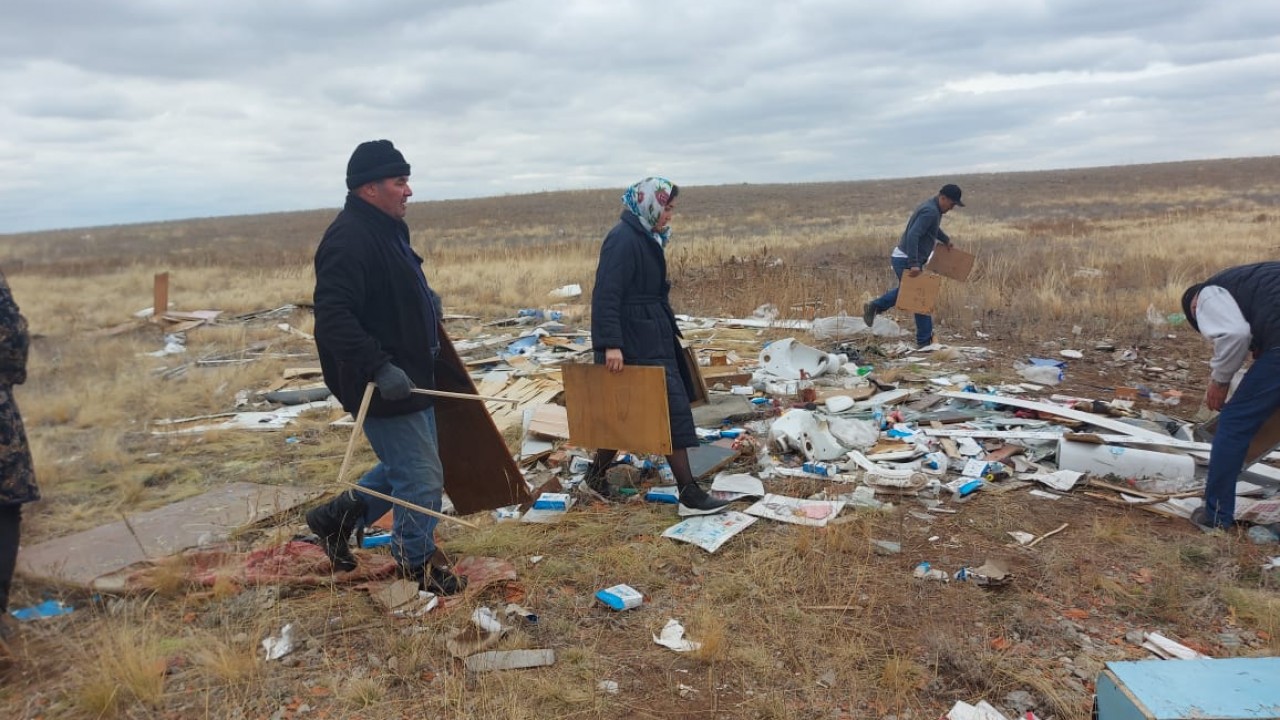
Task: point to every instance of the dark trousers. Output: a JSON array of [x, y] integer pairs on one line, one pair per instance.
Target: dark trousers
[[1256, 398], [10, 519]]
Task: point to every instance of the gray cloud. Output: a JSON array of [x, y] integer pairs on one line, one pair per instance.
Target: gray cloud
[[144, 110]]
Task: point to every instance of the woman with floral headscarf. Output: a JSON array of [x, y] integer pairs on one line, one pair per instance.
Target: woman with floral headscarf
[[632, 323]]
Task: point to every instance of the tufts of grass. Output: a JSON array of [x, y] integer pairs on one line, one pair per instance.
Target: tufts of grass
[[128, 671]]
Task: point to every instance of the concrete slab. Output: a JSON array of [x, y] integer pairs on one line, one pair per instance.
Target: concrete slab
[[84, 557], [723, 407]]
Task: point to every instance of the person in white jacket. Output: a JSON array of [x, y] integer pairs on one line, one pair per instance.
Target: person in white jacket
[[1238, 310]]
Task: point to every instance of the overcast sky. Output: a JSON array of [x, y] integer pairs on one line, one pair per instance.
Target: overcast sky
[[120, 111]]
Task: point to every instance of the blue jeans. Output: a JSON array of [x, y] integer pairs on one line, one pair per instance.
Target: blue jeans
[[409, 470], [924, 323], [1255, 399]]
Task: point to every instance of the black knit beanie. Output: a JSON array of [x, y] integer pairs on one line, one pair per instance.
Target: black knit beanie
[[374, 160], [1187, 296]]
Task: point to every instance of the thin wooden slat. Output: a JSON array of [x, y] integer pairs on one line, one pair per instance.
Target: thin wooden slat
[[160, 296], [618, 410]]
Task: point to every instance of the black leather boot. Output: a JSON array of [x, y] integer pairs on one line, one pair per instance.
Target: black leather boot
[[597, 480], [334, 522], [435, 579]]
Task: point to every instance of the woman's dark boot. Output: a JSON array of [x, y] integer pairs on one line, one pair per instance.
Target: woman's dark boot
[[695, 501], [334, 522]]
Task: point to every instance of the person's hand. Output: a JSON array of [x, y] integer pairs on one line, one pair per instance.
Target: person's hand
[[613, 359], [1216, 395], [913, 272], [392, 382]]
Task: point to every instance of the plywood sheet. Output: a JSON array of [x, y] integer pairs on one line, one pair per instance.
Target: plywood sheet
[[699, 397], [919, 294], [82, 558], [618, 410], [550, 421], [951, 262], [479, 473]]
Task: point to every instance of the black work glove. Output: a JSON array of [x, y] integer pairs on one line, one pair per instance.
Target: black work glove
[[392, 382]]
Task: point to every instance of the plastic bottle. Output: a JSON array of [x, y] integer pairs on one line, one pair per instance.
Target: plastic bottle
[[877, 417]]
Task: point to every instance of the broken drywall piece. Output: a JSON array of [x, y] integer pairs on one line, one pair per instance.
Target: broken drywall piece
[[510, 660], [93, 558]]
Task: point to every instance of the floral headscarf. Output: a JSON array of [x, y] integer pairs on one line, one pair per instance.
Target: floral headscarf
[[646, 200]]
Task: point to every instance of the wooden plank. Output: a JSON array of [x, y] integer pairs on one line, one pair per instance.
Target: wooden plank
[[618, 410], [951, 262], [550, 421], [1265, 440], [300, 372], [479, 472], [919, 294], [159, 296], [695, 372]]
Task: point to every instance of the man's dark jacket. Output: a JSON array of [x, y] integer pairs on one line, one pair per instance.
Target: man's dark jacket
[[923, 230], [370, 310]]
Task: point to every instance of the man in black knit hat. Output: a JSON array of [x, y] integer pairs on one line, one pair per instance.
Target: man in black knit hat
[[377, 320], [1238, 310]]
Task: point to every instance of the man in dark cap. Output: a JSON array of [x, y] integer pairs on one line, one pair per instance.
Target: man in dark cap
[[913, 250], [1238, 310], [377, 320]]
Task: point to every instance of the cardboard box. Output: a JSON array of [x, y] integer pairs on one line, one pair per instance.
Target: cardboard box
[[919, 294], [950, 262]]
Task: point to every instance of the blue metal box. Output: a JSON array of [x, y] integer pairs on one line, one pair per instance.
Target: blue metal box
[[1227, 689]]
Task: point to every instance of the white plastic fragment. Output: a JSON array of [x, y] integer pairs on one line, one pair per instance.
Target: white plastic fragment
[[567, 291], [672, 636], [278, 647]]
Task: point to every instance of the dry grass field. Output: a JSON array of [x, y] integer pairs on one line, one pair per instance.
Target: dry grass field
[[1063, 255]]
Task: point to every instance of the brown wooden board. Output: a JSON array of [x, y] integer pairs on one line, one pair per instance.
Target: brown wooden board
[[550, 421], [919, 294], [160, 296], [626, 410], [1264, 442], [479, 472], [699, 383], [951, 262]]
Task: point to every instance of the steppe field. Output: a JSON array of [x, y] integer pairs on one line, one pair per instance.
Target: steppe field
[[1066, 259]]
